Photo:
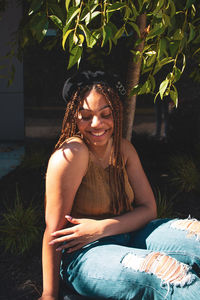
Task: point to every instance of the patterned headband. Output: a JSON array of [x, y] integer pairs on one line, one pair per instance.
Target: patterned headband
[[90, 78]]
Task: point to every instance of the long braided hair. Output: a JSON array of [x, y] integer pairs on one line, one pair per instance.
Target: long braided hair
[[120, 201]]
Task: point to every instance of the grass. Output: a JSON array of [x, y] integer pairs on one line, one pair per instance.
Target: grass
[[185, 175], [164, 204], [20, 226]]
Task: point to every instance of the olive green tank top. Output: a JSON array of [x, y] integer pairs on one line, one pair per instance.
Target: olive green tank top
[[93, 197]]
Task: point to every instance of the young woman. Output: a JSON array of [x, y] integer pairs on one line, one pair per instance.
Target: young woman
[[100, 234]]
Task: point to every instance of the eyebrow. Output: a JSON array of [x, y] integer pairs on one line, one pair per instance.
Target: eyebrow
[[106, 106]]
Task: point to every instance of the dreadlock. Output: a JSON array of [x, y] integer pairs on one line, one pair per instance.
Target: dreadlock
[[120, 201]]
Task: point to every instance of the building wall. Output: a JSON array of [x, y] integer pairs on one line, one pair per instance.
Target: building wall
[[11, 97]]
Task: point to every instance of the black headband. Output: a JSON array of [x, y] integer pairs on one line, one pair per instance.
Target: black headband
[[90, 78]]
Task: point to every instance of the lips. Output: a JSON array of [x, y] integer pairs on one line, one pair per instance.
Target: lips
[[98, 134]]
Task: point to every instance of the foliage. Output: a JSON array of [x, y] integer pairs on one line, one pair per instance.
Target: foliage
[[19, 226], [164, 204], [35, 159], [184, 173], [173, 31]]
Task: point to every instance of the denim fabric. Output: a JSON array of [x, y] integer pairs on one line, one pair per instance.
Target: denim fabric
[[98, 270]]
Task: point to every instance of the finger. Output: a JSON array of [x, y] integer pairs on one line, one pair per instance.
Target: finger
[[65, 231], [67, 246], [72, 220], [62, 239]]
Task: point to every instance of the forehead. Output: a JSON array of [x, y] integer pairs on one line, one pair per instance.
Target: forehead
[[94, 101]]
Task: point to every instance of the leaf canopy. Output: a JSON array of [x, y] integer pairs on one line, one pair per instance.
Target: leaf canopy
[[172, 33]]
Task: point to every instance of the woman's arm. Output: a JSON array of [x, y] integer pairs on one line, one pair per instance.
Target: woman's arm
[[65, 171], [87, 230]]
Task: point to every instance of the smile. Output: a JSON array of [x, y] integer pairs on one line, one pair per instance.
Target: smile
[[101, 133]]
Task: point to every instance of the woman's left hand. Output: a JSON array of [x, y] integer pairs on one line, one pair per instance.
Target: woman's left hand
[[82, 233]]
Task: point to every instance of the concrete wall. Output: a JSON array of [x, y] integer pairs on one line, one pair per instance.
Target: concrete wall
[[12, 97]]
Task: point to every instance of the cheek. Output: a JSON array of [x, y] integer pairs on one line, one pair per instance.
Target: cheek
[[111, 123], [81, 125]]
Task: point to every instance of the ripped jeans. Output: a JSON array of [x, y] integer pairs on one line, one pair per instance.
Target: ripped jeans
[[160, 261]]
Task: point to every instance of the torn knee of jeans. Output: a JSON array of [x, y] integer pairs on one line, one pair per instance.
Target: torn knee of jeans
[[191, 226], [166, 268]]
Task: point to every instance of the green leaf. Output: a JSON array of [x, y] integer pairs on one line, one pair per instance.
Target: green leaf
[[65, 36], [156, 30], [162, 48], [184, 62], [81, 39], [107, 34], [153, 82], [151, 59], [56, 21], [197, 51], [159, 5], [118, 34], [134, 11], [173, 47], [135, 90], [145, 88], [160, 64], [67, 2], [91, 16], [77, 2], [35, 6], [90, 37], [57, 11], [72, 12], [115, 6], [177, 73], [163, 87], [166, 20], [75, 56], [88, 13], [39, 25], [178, 35], [189, 3], [172, 8], [135, 27], [128, 13], [174, 95], [192, 33]]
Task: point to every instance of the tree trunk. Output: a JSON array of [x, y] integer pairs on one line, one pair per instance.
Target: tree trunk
[[133, 80]]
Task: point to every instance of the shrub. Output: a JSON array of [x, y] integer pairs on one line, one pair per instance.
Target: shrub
[[35, 159], [19, 226], [184, 173], [164, 204]]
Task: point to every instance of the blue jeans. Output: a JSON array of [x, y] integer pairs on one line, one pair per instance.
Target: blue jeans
[[160, 261]]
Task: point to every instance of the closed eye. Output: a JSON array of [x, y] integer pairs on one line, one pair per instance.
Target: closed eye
[[86, 118], [107, 116]]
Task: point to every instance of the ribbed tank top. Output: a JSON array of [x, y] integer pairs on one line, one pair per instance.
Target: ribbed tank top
[[93, 197]]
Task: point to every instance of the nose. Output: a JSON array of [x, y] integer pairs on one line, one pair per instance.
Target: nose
[[96, 121]]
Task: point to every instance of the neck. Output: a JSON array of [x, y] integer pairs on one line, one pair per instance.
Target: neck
[[102, 153]]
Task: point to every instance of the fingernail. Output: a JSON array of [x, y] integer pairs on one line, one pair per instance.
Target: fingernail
[[58, 249], [51, 243], [68, 217]]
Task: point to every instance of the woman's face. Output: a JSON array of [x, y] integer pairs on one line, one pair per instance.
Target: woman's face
[[95, 119]]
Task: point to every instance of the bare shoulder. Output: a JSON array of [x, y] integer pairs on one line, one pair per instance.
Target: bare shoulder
[[73, 153], [128, 150]]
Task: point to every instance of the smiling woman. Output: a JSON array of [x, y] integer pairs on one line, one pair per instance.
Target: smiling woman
[[95, 121], [100, 209]]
